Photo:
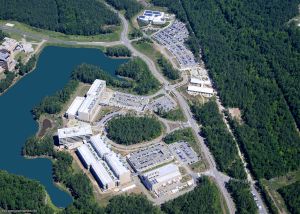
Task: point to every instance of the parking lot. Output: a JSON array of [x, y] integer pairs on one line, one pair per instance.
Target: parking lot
[[173, 39], [164, 103], [184, 152], [149, 157], [128, 101]]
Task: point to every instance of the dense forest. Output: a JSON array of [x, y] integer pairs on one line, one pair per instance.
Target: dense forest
[[240, 192], [131, 7], [20, 193], [138, 70], [80, 17], [87, 73], [205, 198], [180, 135], [5, 83], [131, 130], [131, 204], [167, 69], [53, 104], [118, 51], [35, 146], [252, 54], [218, 139], [291, 196]]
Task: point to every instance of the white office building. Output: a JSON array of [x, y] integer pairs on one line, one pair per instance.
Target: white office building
[[97, 88], [74, 134], [103, 175], [160, 177], [72, 111], [153, 17], [99, 146], [86, 156], [88, 108], [201, 90], [120, 171]]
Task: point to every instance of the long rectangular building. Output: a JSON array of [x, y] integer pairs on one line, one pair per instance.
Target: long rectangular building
[[86, 156], [74, 134], [115, 164], [100, 147], [160, 177], [102, 175], [72, 111], [88, 108], [97, 88]]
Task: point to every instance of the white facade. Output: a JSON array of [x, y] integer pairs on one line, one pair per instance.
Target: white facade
[[121, 172], [97, 88], [72, 111], [102, 175], [162, 176], [88, 108], [100, 147], [86, 156], [154, 17], [74, 134], [201, 90]]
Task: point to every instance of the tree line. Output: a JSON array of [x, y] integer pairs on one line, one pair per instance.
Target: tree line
[[6, 83], [131, 130], [291, 197], [218, 139], [24, 69], [138, 70], [131, 7], [53, 104], [205, 198], [241, 194], [20, 193], [167, 69], [118, 51], [253, 57], [2, 36], [79, 17]]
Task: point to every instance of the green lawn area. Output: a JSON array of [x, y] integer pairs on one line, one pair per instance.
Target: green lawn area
[[115, 36]]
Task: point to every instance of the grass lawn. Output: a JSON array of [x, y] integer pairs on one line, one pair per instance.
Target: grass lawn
[[115, 36]]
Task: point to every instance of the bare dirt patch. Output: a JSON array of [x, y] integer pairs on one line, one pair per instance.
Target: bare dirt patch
[[236, 114]]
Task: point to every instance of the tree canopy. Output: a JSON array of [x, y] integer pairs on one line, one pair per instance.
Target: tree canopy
[[20, 193], [205, 198], [291, 196], [131, 7], [218, 139], [252, 54], [131, 130], [78, 17]]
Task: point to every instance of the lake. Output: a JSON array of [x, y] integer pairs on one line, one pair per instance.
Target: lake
[[51, 74]]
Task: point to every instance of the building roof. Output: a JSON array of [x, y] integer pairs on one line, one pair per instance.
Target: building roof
[[88, 104], [102, 173], [74, 131], [115, 163], [86, 154], [98, 144], [96, 88], [200, 89], [72, 110], [163, 174], [4, 55]]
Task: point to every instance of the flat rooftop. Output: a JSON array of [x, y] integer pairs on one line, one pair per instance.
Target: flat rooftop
[[96, 88], [88, 104], [72, 110], [74, 131]]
